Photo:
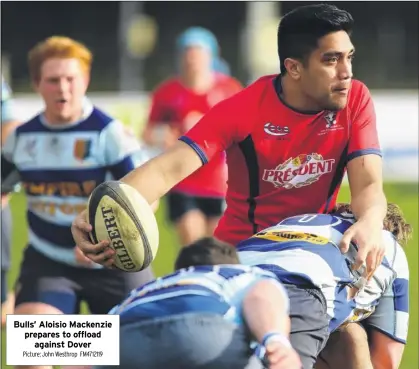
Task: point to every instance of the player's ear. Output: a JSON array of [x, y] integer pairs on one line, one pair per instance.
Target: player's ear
[[293, 67]]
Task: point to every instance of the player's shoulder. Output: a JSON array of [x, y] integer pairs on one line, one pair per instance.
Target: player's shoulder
[[228, 81], [99, 118], [359, 92], [95, 120], [169, 85], [32, 125]]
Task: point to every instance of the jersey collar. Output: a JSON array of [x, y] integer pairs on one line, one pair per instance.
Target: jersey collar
[[87, 111], [277, 83]]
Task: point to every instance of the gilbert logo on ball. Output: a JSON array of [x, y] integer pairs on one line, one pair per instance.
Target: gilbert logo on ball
[[118, 213]]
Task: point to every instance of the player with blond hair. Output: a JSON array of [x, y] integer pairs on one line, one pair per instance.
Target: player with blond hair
[[61, 155]]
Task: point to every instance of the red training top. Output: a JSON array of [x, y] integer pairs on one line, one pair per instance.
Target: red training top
[[281, 162], [181, 108]]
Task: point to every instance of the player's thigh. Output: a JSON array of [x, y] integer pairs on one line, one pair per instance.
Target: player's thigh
[[189, 220], [203, 341], [44, 285], [309, 323], [102, 289], [387, 328], [212, 208], [346, 348]]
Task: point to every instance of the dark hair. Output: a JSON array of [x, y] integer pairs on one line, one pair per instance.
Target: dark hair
[[206, 251], [300, 30], [394, 222]]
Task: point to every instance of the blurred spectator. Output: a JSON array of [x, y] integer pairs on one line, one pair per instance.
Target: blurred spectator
[[195, 204]]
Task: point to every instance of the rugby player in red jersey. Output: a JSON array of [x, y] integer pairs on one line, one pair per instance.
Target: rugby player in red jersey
[[196, 203], [289, 140]]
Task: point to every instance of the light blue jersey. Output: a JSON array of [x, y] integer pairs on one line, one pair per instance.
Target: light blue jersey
[[204, 289], [303, 250], [59, 166], [8, 113]]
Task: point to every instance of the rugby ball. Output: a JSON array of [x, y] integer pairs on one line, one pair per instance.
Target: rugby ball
[[118, 213]]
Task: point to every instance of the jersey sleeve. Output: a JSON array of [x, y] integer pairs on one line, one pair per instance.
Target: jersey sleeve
[[8, 111], [363, 132], [224, 125], [9, 174], [122, 150], [391, 316], [160, 112]]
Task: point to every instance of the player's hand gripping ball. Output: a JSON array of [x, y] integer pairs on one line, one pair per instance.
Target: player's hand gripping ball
[[119, 214]]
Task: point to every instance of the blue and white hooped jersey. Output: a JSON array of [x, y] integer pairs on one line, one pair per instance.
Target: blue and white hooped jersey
[[212, 289], [8, 113], [59, 166], [304, 250]]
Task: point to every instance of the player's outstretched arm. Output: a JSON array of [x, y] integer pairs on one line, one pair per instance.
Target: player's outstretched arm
[[365, 176], [157, 176], [265, 310], [152, 179]]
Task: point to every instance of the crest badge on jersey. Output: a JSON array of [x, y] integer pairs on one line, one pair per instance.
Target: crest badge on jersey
[[330, 118], [331, 123], [82, 149], [30, 147]]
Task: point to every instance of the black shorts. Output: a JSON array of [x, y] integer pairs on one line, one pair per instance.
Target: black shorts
[[309, 322], [44, 280], [179, 204]]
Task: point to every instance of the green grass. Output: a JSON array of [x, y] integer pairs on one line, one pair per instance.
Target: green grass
[[406, 195]]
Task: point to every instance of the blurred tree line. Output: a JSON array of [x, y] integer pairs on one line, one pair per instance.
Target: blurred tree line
[[385, 36]]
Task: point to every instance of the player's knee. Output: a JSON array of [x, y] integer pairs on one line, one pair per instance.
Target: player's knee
[[347, 349], [353, 334], [35, 308]]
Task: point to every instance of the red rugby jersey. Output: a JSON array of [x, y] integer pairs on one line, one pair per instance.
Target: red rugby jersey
[[175, 104], [281, 162]]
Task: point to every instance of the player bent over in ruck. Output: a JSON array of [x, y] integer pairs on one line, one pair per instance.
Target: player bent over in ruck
[[327, 293], [205, 315]]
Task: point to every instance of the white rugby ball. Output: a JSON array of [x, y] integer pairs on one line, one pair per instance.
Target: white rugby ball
[[118, 213]]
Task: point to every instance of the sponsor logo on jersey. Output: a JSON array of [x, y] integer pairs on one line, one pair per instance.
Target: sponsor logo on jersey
[[274, 130], [300, 171], [287, 236]]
